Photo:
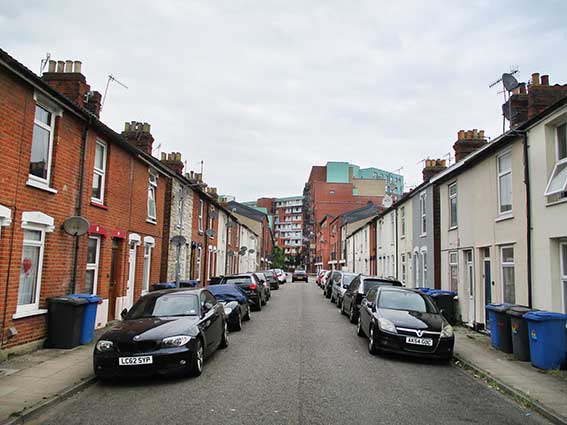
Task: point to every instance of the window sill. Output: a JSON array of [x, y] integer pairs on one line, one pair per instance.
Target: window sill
[[453, 228], [151, 221], [504, 217], [40, 186], [30, 313], [551, 204], [99, 205], [423, 235]]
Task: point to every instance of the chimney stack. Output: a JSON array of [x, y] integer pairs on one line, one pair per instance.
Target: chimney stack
[[138, 134], [173, 161], [432, 167], [468, 142], [67, 79]]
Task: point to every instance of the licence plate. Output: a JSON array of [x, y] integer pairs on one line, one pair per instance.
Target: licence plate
[[135, 361], [419, 341]]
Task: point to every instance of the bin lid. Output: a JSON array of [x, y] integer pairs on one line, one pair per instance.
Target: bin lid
[[164, 285], [543, 316], [519, 310], [435, 292], [67, 300], [501, 308], [90, 298], [424, 290]]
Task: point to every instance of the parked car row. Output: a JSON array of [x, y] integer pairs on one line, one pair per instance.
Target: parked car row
[[173, 331], [393, 318]]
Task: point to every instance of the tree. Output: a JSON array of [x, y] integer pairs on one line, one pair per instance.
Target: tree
[[278, 258]]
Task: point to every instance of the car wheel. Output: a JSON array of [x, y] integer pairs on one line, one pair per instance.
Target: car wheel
[[247, 315], [332, 298], [359, 330], [197, 359], [224, 338], [259, 305], [339, 303], [343, 308], [351, 314], [238, 325], [371, 343]]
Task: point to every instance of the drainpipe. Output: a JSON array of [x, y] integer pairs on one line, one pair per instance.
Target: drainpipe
[[396, 241], [528, 218], [79, 206]]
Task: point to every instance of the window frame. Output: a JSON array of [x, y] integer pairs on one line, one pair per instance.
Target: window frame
[[563, 272], [152, 188], [32, 307], [402, 222], [39, 181], [96, 265], [423, 213], [403, 267], [504, 265], [423, 255], [453, 220], [200, 215], [454, 262], [559, 162], [100, 172], [147, 266], [500, 175]]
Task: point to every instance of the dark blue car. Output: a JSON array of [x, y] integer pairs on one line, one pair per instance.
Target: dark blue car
[[235, 304]]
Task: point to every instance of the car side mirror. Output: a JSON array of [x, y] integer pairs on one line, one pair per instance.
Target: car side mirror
[[371, 305], [207, 307], [443, 313], [345, 286], [124, 313]]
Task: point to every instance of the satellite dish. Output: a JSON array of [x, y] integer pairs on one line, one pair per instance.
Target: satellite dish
[[243, 248], [178, 240], [214, 215], [251, 251], [509, 81], [387, 201], [229, 223], [76, 226], [210, 233], [241, 252]]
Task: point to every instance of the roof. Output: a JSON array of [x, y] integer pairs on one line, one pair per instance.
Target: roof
[[246, 211], [289, 198], [369, 210]]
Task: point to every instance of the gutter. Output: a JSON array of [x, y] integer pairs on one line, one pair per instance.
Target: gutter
[[528, 218]]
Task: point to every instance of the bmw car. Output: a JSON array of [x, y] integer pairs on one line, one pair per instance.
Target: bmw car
[[166, 332], [404, 321], [235, 304]]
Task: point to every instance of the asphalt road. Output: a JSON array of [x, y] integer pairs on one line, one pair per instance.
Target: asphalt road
[[298, 361]]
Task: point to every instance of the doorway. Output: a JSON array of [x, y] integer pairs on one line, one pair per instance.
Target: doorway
[[487, 282], [131, 274], [470, 284], [114, 278]]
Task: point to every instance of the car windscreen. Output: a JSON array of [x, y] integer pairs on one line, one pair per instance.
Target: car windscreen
[[165, 305], [237, 279], [348, 278], [404, 300], [373, 283]]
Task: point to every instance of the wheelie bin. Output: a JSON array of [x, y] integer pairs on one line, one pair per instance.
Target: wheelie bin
[[163, 285], [89, 318], [188, 283], [500, 329], [548, 344], [519, 328], [445, 301], [64, 321]]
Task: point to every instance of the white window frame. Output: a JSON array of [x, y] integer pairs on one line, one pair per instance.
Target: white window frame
[[423, 214], [95, 266], [453, 221], [504, 265], [503, 174], [563, 273], [201, 210], [559, 162], [100, 171], [149, 244], [199, 255], [152, 187], [403, 267], [392, 229], [453, 262], [424, 268], [181, 210], [32, 179], [403, 222]]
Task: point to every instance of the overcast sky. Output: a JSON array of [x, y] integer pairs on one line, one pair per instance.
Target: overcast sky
[[262, 90]]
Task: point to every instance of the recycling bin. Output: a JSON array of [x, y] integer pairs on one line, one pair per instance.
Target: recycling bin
[[424, 290], [519, 329], [89, 318], [64, 321], [548, 344], [188, 283], [445, 301], [500, 328], [163, 285]]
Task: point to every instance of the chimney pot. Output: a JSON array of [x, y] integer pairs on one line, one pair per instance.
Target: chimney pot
[[481, 134], [60, 66], [475, 133], [68, 66], [146, 127], [545, 80], [52, 65], [77, 67], [163, 156], [461, 135], [535, 79], [522, 88]]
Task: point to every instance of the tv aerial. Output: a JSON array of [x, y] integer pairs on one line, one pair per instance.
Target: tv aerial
[[509, 83], [111, 78]]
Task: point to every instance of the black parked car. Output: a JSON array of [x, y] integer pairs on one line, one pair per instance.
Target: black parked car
[[169, 331], [404, 321], [250, 284], [299, 275], [235, 304], [358, 289], [272, 279]]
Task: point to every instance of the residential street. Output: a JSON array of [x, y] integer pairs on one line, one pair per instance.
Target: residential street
[[297, 362]]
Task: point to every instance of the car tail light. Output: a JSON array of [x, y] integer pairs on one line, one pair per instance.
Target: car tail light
[[252, 286]]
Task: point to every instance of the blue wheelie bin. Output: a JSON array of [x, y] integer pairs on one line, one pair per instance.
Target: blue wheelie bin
[[548, 343], [163, 285], [89, 318], [188, 283], [500, 326]]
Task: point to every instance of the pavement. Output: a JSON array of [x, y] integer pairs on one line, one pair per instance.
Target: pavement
[[544, 391], [298, 361]]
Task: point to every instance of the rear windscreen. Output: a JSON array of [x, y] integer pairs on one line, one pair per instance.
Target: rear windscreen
[[369, 284], [237, 279]]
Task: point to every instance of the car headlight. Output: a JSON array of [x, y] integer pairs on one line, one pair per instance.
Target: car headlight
[[175, 341], [387, 326], [103, 345], [447, 331]]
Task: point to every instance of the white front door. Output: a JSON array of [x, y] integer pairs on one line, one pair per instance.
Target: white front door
[[131, 276], [470, 285]]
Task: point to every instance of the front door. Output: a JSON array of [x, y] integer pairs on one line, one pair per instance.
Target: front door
[[114, 276], [470, 285], [131, 275], [487, 281]]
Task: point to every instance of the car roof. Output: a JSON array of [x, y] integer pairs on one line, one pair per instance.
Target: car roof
[[398, 289], [239, 275], [224, 289], [175, 291]]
